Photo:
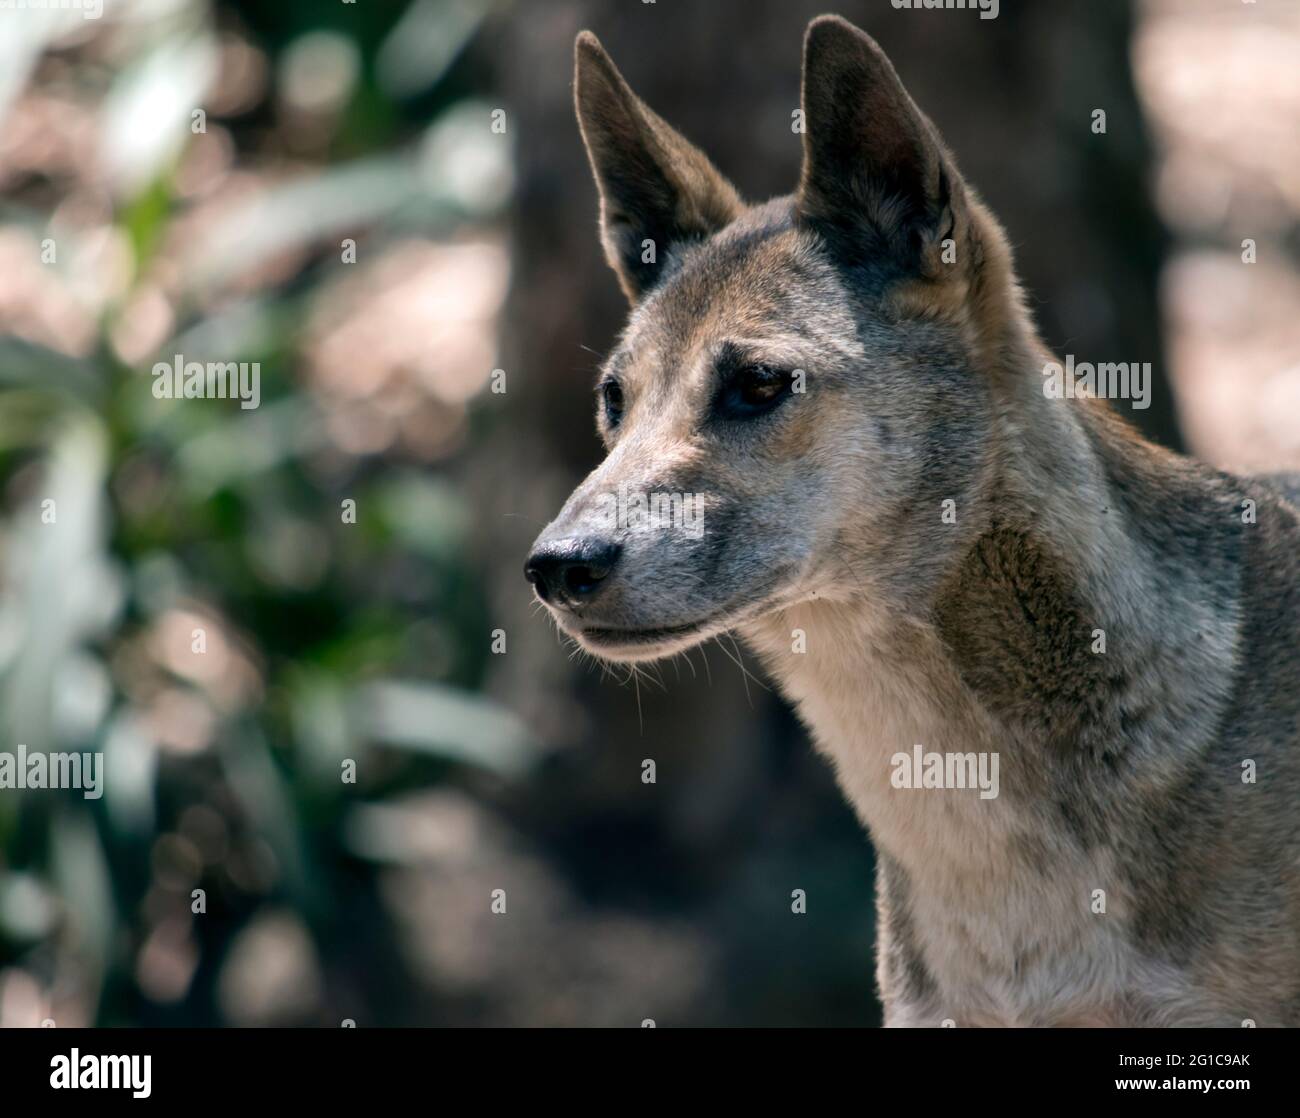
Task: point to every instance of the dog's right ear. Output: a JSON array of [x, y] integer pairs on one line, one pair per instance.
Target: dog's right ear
[[875, 172], [657, 190]]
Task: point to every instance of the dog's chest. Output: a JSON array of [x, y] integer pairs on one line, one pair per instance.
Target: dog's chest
[[871, 713], [1002, 915]]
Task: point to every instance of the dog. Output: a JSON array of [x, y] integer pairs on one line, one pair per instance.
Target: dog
[[1056, 668]]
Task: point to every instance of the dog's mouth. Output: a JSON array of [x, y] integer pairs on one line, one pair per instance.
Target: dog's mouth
[[631, 644], [654, 642], [599, 636]]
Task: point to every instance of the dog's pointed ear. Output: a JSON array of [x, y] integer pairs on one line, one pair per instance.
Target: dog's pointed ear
[[656, 189], [874, 171]]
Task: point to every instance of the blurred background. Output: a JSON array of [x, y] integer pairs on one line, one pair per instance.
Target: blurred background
[[386, 205]]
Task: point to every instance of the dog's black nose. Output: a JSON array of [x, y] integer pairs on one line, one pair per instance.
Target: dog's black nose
[[569, 571]]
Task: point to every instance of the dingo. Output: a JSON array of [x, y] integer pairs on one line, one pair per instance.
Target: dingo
[[928, 552]]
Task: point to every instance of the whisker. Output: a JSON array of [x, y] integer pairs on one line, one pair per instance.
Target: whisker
[[744, 675]]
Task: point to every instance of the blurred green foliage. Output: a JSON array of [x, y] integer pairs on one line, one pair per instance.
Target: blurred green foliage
[[322, 640]]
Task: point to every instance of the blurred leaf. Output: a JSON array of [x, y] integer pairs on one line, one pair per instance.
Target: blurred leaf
[[467, 166], [145, 220], [299, 214], [425, 42], [130, 768], [25, 365], [24, 41], [252, 443], [432, 718], [148, 111], [27, 909], [82, 878], [61, 585], [268, 799], [320, 724], [426, 514]]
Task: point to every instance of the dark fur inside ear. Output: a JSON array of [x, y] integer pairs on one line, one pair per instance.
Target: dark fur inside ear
[[654, 185], [875, 174]]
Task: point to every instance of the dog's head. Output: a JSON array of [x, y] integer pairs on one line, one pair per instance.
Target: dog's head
[[791, 402]]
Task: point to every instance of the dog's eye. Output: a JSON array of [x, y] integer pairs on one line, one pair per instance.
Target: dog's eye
[[611, 398], [752, 390]]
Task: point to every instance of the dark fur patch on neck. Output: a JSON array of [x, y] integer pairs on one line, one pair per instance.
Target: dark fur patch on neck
[[1021, 637]]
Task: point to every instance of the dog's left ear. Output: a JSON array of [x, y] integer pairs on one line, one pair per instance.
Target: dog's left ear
[[657, 189], [875, 175]]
